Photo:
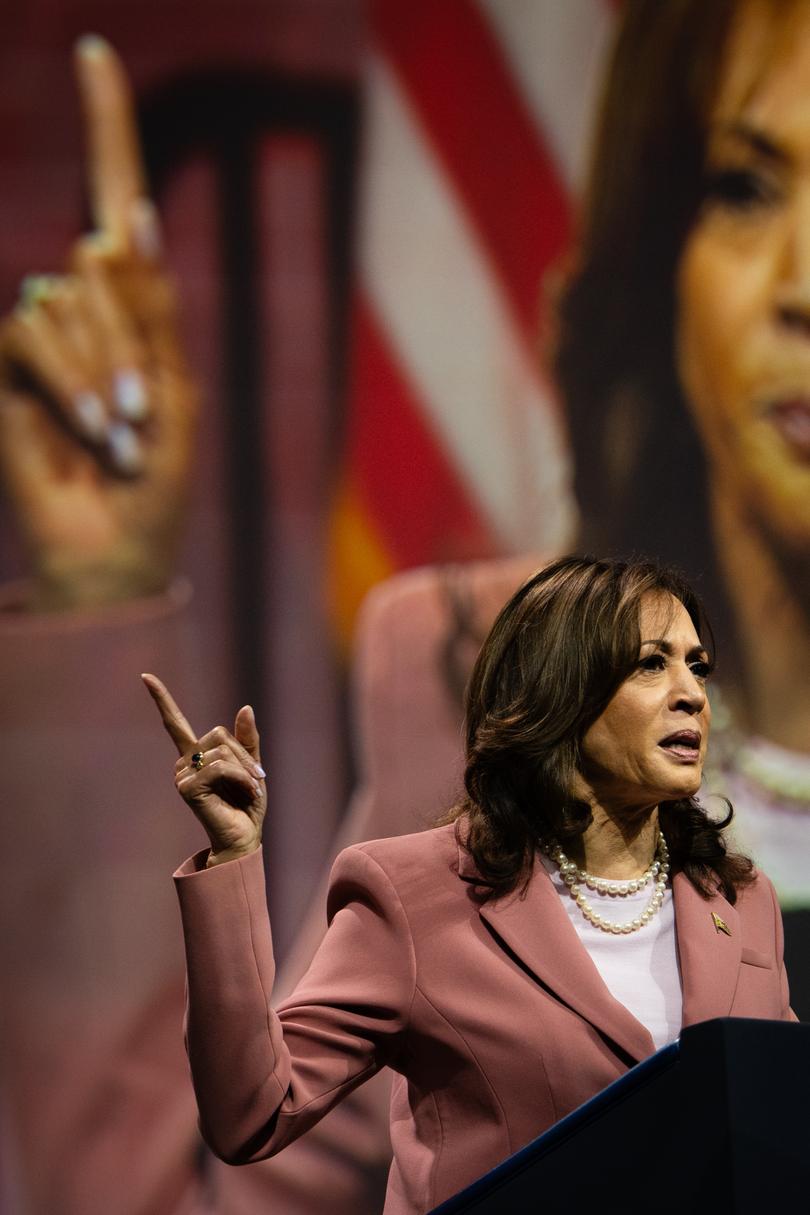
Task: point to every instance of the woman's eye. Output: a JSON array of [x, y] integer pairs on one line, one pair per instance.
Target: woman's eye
[[653, 662], [701, 670], [741, 189]]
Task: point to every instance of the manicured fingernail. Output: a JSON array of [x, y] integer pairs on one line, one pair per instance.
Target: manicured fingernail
[[145, 228], [259, 770], [129, 394], [125, 448], [90, 415], [102, 244], [35, 287], [92, 45]]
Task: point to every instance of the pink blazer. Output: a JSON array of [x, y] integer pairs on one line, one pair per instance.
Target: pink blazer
[[492, 1016]]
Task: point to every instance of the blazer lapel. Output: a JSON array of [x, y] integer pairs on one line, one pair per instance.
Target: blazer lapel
[[536, 929], [709, 951]]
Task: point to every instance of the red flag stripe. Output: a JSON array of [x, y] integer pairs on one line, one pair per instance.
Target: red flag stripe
[[455, 76], [400, 472]]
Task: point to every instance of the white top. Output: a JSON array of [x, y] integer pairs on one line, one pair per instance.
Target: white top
[[640, 969]]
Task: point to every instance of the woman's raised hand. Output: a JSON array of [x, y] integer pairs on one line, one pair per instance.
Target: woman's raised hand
[[97, 408], [219, 775]]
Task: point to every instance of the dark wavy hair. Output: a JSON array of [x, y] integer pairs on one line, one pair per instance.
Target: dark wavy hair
[[553, 659]]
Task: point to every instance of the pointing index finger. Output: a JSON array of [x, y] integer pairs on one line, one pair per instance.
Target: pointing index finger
[[115, 167], [177, 726]]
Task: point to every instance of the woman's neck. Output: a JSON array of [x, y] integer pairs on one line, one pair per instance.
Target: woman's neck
[[616, 846], [771, 695]]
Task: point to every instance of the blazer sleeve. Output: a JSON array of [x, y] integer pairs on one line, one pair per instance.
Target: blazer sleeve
[[787, 1013], [262, 1077], [90, 956]]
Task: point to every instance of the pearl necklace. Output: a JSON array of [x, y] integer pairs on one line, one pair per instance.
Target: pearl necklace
[[575, 878]]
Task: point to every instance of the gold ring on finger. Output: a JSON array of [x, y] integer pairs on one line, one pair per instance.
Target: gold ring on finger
[[197, 760]]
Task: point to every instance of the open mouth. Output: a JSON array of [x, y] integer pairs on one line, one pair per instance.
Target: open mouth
[[683, 745], [791, 417]]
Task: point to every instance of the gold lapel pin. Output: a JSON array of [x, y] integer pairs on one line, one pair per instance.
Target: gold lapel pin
[[720, 925]]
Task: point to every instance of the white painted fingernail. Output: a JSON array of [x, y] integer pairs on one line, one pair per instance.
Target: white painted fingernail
[[129, 394], [126, 451], [259, 770], [35, 288], [145, 228], [90, 415], [92, 45]]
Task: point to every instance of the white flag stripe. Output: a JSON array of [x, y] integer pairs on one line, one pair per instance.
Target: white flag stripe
[[556, 50], [480, 387]]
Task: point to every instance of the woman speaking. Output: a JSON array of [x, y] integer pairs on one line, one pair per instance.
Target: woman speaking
[[571, 915]]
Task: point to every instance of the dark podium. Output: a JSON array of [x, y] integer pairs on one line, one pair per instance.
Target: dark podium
[[718, 1122]]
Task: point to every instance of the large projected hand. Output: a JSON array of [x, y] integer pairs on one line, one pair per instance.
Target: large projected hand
[[97, 407]]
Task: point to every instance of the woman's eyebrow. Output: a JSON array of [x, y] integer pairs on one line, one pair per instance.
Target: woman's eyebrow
[[661, 643], [753, 137]]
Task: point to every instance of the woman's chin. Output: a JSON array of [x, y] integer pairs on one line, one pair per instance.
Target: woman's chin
[[684, 788], [685, 784]]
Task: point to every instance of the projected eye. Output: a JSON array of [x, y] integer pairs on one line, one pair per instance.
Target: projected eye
[[742, 189]]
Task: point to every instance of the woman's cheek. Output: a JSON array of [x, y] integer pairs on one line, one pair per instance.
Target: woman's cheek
[[731, 353], [701, 356], [722, 307]]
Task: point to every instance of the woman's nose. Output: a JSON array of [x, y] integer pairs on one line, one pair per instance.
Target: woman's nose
[[688, 692], [793, 310]]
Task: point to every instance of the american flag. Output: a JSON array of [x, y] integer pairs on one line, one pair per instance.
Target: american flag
[[477, 116]]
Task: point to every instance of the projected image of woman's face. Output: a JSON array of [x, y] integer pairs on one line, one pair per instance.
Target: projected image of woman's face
[[744, 277]]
